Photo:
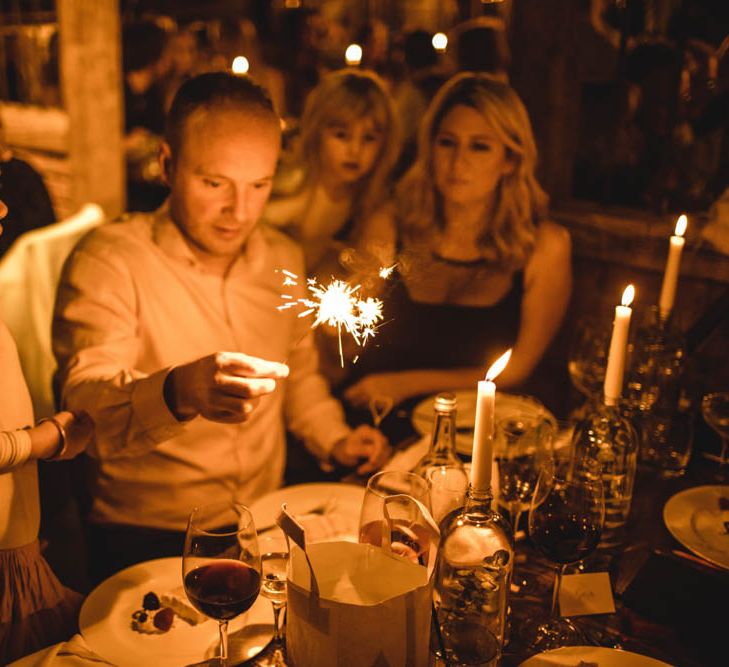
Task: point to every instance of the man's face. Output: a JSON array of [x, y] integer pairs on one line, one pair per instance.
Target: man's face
[[221, 179]]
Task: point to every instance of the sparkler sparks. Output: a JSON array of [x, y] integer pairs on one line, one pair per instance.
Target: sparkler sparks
[[337, 304], [386, 271]]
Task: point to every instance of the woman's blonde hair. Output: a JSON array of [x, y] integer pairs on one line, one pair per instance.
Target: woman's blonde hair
[[509, 230], [345, 96]]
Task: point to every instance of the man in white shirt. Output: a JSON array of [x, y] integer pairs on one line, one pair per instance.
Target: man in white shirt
[[166, 332]]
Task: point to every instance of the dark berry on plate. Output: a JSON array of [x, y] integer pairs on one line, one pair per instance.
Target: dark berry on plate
[[163, 619], [140, 615], [151, 602]]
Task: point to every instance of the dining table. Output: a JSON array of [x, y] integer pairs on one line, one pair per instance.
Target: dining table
[[670, 602]]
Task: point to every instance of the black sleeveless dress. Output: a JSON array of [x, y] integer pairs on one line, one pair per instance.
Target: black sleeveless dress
[[416, 335]]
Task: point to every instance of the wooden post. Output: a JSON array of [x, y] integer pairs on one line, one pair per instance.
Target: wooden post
[[91, 80]]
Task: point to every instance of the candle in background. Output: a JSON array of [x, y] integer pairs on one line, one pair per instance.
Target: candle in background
[[670, 277], [483, 433], [440, 42], [353, 55], [616, 356], [240, 65]]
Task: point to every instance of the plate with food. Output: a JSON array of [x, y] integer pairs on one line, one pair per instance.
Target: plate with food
[[699, 519], [142, 616], [506, 405], [591, 656], [326, 510]]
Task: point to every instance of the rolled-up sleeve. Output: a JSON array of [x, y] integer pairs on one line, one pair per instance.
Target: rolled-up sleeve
[[96, 345]]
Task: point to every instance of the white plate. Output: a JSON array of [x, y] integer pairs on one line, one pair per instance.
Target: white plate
[[506, 406], [106, 616], [576, 656], [342, 504], [695, 520]]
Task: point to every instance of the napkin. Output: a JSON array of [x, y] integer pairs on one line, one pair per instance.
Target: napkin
[[73, 653]]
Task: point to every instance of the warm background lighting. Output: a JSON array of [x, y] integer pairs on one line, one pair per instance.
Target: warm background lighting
[[240, 65], [353, 54], [440, 42]]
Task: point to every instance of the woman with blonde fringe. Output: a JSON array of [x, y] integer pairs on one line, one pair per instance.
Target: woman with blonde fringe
[[340, 169], [481, 267]]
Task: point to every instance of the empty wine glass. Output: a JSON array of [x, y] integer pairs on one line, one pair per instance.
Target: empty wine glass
[[408, 537], [715, 410], [587, 358], [522, 446], [221, 564], [274, 561], [566, 518]]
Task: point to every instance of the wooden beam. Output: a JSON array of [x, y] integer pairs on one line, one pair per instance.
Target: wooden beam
[[91, 81]]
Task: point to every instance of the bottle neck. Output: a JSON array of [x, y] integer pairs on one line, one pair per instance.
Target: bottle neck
[[476, 497], [444, 433]]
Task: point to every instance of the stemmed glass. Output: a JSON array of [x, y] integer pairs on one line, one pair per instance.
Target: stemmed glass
[[274, 560], [715, 410], [407, 536], [566, 519], [221, 564], [522, 447], [587, 358]]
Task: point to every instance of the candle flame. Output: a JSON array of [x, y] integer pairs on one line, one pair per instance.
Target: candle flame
[[628, 295], [339, 305], [498, 366], [386, 271], [681, 225]]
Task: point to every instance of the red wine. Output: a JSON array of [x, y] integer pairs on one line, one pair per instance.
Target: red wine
[[223, 589], [565, 540]]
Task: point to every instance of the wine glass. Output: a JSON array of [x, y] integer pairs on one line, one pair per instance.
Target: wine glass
[[566, 518], [274, 561], [221, 564], [715, 410], [448, 486], [522, 446], [408, 537], [587, 358]]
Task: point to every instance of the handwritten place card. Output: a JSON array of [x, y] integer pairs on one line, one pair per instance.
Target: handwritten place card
[[582, 594]]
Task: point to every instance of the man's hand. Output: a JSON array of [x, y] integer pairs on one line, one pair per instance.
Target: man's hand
[[365, 443], [222, 387]]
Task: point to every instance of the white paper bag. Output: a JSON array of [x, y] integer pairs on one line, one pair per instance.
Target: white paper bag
[[364, 605]]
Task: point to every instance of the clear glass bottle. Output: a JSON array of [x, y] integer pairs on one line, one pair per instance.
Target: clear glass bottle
[[653, 388], [608, 437], [442, 451], [472, 580]]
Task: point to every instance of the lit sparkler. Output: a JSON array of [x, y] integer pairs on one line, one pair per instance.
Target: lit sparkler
[[386, 271], [337, 304]]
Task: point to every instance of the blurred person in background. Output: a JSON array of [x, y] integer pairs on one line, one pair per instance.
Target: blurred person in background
[[23, 190], [145, 67], [340, 169]]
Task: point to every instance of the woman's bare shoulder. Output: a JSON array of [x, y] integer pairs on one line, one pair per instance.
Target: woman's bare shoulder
[[552, 240]]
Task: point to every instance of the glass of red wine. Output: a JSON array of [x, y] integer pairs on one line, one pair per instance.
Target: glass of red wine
[[566, 518], [408, 536], [221, 564]]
